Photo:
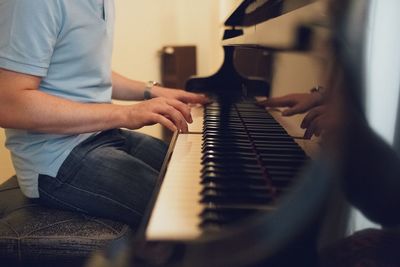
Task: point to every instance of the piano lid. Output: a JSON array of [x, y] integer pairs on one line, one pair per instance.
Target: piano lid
[[252, 12], [296, 30]]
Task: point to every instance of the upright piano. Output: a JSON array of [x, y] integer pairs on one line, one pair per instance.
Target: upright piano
[[239, 189]]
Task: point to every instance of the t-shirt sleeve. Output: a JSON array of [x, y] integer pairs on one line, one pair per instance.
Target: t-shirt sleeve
[[28, 34]]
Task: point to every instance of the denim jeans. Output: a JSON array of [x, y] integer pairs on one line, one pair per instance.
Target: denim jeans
[[110, 175]]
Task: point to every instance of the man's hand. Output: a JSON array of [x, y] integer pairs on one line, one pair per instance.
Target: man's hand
[[169, 112], [315, 122], [296, 103], [181, 95], [316, 119]]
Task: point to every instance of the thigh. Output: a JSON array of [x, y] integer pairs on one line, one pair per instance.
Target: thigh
[[107, 182], [150, 150]]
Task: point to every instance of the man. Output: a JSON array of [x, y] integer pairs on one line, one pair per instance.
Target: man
[[56, 86]]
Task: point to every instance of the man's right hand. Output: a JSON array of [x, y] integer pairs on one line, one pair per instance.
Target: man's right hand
[[171, 113]]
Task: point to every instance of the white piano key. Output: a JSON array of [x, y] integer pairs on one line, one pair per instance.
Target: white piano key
[[198, 118], [175, 215]]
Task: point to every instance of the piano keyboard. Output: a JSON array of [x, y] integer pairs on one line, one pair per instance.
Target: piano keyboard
[[231, 169]]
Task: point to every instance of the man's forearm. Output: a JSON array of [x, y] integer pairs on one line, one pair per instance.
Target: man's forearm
[[23, 106], [126, 89], [37, 111]]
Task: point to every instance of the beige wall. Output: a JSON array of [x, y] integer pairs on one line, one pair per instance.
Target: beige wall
[[6, 168], [143, 27]]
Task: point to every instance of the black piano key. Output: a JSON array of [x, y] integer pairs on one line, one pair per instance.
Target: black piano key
[[259, 143], [259, 146], [229, 160], [229, 154], [253, 134], [282, 171], [284, 162], [242, 170], [248, 160], [239, 198], [242, 128], [267, 156], [235, 187], [245, 138], [239, 128], [235, 173], [248, 192], [224, 180], [282, 182], [284, 150], [231, 168], [227, 149], [224, 216]]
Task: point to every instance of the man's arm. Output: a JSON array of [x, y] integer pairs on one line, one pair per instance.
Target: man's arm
[[126, 89], [23, 106]]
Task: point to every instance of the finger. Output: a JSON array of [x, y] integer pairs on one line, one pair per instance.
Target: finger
[[182, 108], [163, 106], [314, 128], [157, 118], [318, 130], [262, 103], [292, 111], [182, 125], [193, 98], [312, 115], [319, 125], [308, 133], [298, 108], [174, 115], [275, 102]]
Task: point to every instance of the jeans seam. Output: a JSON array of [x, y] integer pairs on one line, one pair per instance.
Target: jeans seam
[[62, 202], [136, 148], [105, 197]]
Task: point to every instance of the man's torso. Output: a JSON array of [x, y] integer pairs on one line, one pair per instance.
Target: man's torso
[[69, 44]]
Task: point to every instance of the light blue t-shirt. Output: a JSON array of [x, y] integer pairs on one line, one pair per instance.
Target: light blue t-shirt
[[69, 44]]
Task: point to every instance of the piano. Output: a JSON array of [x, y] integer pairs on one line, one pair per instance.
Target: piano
[[237, 159], [239, 189]]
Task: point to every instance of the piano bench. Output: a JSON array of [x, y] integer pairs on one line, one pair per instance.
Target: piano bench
[[33, 235]]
